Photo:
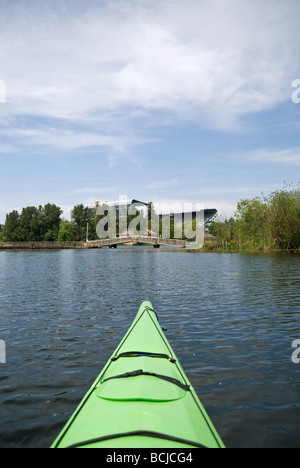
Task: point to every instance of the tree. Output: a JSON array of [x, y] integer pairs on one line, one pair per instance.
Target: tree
[[81, 216], [30, 224], [67, 232], [11, 229], [33, 224], [285, 217], [273, 221], [50, 221], [1, 233], [252, 220], [226, 231]]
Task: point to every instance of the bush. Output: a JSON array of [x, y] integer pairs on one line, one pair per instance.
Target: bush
[[260, 224]]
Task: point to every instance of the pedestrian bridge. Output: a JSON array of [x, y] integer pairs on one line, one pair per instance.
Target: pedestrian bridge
[[155, 241]]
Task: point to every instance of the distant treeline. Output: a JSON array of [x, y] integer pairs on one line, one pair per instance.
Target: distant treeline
[[266, 223], [45, 224]]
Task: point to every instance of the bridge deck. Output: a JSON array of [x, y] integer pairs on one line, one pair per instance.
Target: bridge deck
[[156, 241]]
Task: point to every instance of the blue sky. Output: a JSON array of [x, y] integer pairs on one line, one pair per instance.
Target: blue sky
[[157, 100]]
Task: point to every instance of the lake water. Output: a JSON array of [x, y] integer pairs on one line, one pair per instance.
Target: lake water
[[231, 319]]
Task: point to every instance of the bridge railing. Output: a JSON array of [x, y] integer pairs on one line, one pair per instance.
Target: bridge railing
[[138, 239]]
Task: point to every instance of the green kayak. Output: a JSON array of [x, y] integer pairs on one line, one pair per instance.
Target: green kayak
[[142, 398]]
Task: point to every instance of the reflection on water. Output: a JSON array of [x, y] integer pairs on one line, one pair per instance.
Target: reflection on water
[[231, 320]]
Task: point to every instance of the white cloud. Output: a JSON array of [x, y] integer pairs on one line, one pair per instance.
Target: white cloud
[[95, 190], [67, 139], [101, 77], [287, 157], [162, 184], [207, 60], [7, 149], [70, 140]]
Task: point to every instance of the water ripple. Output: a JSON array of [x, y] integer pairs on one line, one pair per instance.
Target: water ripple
[[231, 320]]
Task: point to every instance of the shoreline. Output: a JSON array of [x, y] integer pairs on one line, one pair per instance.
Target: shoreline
[[41, 245], [215, 247], [75, 245]]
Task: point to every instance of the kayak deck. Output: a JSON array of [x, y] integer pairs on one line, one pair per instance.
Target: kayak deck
[[142, 398]]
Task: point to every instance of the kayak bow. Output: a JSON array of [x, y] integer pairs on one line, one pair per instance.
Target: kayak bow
[[142, 398]]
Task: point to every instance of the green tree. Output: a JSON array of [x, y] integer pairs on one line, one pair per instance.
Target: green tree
[[251, 222], [226, 231], [31, 224], [271, 222], [50, 221], [284, 209], [81, 216], [11, 229], [1, 233], [67, 232], [92, 228]]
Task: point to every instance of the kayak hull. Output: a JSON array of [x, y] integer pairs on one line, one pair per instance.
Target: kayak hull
[[141, 399]]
